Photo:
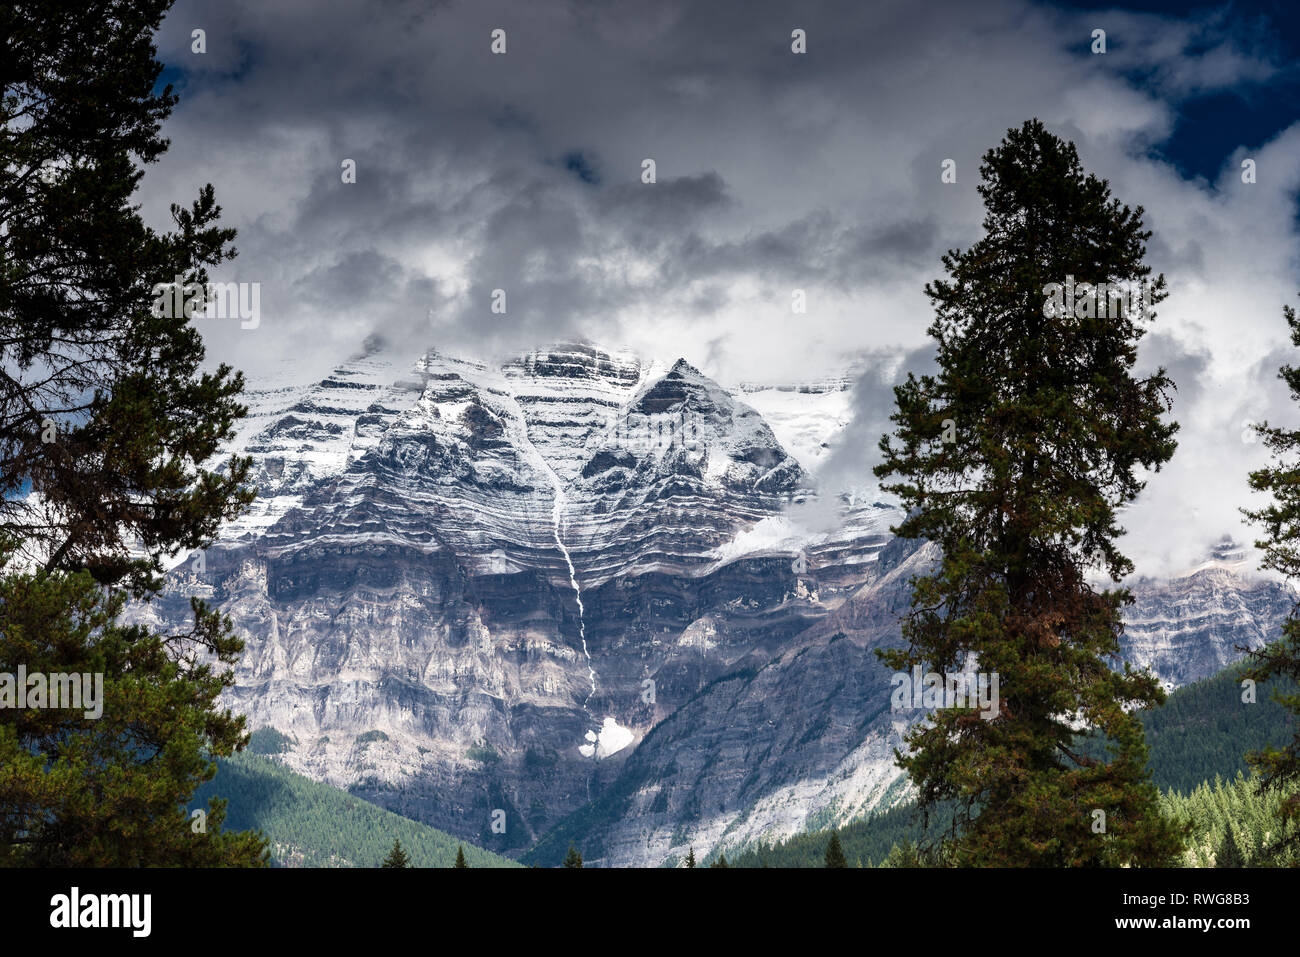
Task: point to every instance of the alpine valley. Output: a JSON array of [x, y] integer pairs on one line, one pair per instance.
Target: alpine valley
[[568, 597]]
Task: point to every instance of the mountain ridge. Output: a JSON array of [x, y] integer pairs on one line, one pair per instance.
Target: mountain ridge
[[575, 577]]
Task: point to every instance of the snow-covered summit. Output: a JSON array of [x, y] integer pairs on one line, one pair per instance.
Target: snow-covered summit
[[655, 464]]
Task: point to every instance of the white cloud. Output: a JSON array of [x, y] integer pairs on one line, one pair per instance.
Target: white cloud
[[776, 172]]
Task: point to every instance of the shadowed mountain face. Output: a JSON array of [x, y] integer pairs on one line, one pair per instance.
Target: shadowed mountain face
[[805, 739], [561, 593]]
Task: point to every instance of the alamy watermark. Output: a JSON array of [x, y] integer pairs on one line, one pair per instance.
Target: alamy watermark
[[1085, 300], [962, 689], [649, 434], [75, 909], [213, 300], [78, 692]]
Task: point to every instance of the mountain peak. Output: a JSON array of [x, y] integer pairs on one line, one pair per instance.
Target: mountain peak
[[1226, 554], [682, 387], [1228, 549], [579, 361]]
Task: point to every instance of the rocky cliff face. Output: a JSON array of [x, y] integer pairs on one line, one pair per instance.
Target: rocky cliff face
[[1191, 626], [472, 588], [566, 588], [805, 739]]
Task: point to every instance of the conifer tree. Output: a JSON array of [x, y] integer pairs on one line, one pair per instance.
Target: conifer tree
[[1278, 767], [105, 416], [720, 862], [835, 853], [690, 858], [1013, 460], [397, 857], [1229, 854], [105, 786], [573, 858], [908, 853], [460, 857], [108, 433]]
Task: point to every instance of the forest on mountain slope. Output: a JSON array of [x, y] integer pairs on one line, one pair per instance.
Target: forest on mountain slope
[[310, 824], [1198, 740]]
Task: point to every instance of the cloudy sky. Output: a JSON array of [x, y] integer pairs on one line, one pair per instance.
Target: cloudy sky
[[775, 171]]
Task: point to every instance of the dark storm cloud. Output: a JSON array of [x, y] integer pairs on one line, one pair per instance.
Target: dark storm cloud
[[1270, 400], [460, 149], [1176, 253], [522, 172], [671, 205], [1186, 366], [856, 451]]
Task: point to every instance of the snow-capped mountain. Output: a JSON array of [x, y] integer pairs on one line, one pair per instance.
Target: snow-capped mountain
[[572, 587]]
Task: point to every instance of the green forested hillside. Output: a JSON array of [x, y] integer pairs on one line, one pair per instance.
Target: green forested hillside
[[1205, 729], [310, 824], [866, 843], [1217, 807], [1202, 732]]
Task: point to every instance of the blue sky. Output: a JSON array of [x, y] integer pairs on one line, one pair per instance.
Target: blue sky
[[1209, 127]]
